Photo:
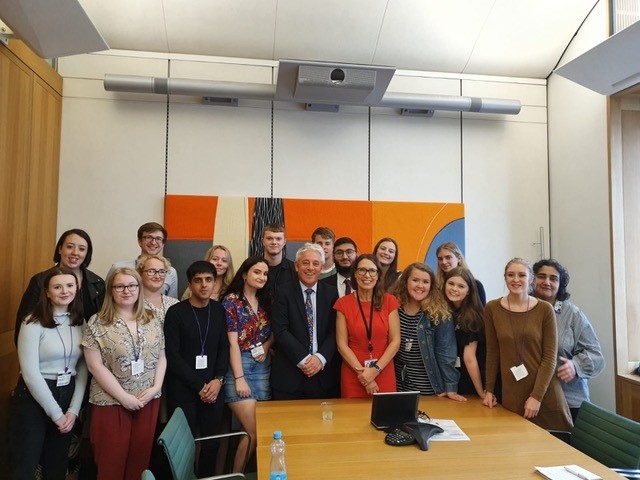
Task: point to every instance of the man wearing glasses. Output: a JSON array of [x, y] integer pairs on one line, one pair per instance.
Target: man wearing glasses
[[151, 238], [345, 252]]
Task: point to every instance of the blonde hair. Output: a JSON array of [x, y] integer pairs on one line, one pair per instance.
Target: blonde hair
[[145, 257], [435, 305], [522, 261], [228, 276], [108, 313]]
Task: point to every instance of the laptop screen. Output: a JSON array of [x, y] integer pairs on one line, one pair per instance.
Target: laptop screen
[[394, 408]]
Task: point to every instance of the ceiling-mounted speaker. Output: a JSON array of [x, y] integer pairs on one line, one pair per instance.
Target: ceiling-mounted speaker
[[332, 83]]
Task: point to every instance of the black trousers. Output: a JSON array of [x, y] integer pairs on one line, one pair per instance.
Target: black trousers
[[34, 438]]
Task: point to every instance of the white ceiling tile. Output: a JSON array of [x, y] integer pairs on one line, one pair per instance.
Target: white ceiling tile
[[430, 35], [331, 30], [526, 38], [129, 25], [226, 28]]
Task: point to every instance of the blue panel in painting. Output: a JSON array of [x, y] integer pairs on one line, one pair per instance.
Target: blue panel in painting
[[453, 232]]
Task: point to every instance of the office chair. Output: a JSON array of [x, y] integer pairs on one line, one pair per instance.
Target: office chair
[[179, 445], [607, 437]]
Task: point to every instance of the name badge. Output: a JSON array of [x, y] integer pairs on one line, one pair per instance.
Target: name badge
[[257, 350], [519, 372], [408, 344], [201, 362], [371, 362], [137, 367], [63, 379]]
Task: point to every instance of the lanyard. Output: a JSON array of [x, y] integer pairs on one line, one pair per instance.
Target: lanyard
[[513, 331], [136, 353], [203, 341], [64, 348], [367, 328]]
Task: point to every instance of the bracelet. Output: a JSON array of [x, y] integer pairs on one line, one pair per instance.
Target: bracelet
[[377, 367], [238, 378]]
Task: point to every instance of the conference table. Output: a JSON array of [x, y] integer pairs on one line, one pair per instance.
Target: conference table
[[502, 445]]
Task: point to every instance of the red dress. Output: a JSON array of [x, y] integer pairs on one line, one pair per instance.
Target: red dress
[[350, 387]]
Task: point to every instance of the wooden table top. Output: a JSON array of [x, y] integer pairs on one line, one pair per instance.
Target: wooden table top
[[502, 444]]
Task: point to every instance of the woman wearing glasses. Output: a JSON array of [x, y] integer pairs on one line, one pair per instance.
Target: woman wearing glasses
[[152, 270], [124, 350], [367, 333]]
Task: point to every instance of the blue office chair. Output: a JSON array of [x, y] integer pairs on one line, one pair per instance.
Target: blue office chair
[[179, 445], [607, 437]]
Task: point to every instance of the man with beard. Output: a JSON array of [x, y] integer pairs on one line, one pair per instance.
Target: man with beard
[[345, 252]]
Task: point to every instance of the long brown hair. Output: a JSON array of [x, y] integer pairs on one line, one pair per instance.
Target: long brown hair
[[435, 305], [378, 290], [469, 315], [43, 311], [391, 275]]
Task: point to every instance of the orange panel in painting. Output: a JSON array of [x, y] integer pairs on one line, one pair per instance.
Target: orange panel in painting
[[190, 217], [412, 225], [347, 218]]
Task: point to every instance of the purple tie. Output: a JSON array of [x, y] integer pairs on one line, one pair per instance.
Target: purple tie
[[308, 307]]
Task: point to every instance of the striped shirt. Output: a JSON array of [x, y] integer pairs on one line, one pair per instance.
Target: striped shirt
[[410, 372]]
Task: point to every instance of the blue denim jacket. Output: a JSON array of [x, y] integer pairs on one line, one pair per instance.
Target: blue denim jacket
[[439, 352]]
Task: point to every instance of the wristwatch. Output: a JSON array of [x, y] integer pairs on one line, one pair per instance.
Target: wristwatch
[[220, 379]]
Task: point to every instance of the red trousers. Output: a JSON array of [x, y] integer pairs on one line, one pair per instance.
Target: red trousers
[[122, 439]]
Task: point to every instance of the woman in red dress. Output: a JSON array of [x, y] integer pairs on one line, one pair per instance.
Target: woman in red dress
[[367, 333]]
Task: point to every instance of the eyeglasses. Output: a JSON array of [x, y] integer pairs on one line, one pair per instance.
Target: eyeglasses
[[373, 272], [132, 287], [342, 253], [152, 272], [151, 238]]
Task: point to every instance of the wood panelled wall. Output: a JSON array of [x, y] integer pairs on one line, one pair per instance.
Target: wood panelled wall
[[30, 119]]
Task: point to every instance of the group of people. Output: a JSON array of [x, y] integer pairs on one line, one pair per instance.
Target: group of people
[[332, 323]]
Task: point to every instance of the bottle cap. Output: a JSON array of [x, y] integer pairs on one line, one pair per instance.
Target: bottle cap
[[277, 435]]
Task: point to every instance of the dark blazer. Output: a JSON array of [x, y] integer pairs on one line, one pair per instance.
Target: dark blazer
[[289, 324], [93, 291], [331, 280]]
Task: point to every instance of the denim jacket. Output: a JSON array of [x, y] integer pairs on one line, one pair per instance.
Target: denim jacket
[[439, 351]]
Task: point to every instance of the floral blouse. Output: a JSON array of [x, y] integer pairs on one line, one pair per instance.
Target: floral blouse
[[252, 327], [159, 313], [118, 348]]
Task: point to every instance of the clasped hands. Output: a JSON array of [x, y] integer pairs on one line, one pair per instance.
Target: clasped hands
[[366, 377], [311, 366], [209, 393]]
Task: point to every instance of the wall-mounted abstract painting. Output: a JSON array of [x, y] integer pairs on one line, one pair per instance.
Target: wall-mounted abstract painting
[[196, 222]]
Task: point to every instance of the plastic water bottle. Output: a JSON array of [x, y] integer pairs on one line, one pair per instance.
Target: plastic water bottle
[[278, 470]]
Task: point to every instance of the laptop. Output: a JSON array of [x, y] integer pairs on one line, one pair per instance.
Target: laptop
[[390, 410]]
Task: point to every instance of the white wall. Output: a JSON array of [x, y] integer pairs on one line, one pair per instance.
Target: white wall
[[113, 154], [579, 191]]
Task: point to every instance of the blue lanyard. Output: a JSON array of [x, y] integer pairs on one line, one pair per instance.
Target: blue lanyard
[[203, 341]]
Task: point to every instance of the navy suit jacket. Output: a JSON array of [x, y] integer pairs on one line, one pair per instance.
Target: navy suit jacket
[[289, 324]]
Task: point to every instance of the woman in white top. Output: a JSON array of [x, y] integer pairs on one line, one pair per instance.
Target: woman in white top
[[46, 402]]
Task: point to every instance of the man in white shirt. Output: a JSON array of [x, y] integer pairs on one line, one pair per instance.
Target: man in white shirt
[[345, 252]]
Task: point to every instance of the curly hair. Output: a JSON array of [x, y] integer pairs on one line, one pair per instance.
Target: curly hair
[[563, 293]]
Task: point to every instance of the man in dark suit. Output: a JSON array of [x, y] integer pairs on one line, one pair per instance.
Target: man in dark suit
[[345, 252], [306, 363]]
